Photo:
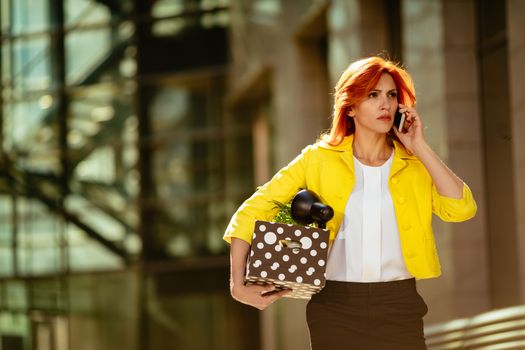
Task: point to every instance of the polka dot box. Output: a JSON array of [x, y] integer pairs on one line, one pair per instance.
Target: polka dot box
[[289, 257]]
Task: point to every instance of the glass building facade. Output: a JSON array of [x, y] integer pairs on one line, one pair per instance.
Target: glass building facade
[[113, 191]]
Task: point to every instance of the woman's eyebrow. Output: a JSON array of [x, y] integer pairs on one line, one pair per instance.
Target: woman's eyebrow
[[379, 90]]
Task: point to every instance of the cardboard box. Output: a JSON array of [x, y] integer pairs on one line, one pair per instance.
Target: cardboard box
[[289, 257]]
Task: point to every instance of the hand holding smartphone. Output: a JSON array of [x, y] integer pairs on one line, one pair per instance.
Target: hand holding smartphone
[[399, 120]]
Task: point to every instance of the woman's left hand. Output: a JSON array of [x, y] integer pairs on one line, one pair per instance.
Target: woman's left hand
[[412, 134]]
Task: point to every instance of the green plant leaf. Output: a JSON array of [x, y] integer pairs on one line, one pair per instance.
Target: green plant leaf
[[284, 215]]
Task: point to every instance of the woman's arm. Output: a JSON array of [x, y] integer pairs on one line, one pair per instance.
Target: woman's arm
[[260, 206], [452, 200], [446, 182], [253, 295]]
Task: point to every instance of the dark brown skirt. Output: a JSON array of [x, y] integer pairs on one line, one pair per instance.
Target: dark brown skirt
[[367, 316]]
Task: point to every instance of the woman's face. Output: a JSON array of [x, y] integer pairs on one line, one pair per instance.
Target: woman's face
[[376, 112]]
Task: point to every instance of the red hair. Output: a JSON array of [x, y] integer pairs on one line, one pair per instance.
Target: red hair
[[355, 84]]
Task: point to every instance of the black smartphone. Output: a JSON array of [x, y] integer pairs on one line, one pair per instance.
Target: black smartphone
[[399, 120]]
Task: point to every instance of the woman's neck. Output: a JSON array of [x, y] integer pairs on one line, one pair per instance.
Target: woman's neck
[[372, 149]]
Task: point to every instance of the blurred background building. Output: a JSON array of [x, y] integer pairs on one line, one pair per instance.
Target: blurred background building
[[132, 129]]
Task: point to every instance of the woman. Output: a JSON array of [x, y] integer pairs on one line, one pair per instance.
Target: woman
[[383, 184]]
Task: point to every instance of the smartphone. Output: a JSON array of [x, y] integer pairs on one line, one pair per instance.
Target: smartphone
[[399, 120]]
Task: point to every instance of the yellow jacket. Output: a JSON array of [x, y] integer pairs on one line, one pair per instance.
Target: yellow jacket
[[329, 172]]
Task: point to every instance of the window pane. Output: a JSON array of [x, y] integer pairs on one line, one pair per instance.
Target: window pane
[[38, 239], [6, 235], [30, 15], [82, 12], [31, 64], [86, 254], [15, 296], [85, 52], [163, 8], [188, 167], [7, 64], [5, 17], [30, 135], [103, 158]]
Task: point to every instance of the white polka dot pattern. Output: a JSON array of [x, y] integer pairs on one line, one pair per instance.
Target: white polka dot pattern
[[285, 265], [270, 238], [306, 243]]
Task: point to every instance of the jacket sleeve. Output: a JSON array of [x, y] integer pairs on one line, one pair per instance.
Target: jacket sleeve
[[260, 206], [454, 209]]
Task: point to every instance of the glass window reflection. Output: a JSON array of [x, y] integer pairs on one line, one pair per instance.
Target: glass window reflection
[[30, 64], [79, 13], [85, 51], [6, 236], [29, 16]]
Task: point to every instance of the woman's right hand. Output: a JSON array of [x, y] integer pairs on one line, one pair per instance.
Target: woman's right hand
[[258, 296]]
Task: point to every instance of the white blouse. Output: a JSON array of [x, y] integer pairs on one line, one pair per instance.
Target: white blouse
[[367, 247]]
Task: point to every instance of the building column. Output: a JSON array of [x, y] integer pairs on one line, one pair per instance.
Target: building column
[[439, 50], [516, 54], [470, 270]]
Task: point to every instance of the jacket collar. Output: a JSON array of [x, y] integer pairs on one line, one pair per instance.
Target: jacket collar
[[346, 146]]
